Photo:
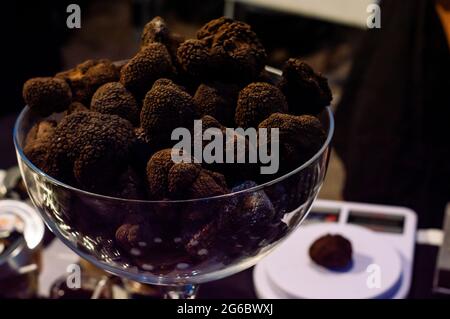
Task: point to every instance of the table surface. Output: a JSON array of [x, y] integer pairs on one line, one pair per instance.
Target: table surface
[[240, 286]]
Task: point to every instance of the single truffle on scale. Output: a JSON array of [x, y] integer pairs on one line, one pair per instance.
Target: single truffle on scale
[[114, 98], [46, 95], [332, 251], [148, 65], [300, 137], [258, 101], [307, 92], [166, 107], [87, 77]]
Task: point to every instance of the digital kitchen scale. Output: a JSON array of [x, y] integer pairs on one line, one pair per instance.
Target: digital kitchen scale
[[392, 229]]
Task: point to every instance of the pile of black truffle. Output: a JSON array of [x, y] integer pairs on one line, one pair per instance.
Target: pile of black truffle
[[117, 116], [112, 135]]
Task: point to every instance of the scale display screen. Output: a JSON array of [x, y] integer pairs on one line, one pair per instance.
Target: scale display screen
[[377, 221], [323, 215]]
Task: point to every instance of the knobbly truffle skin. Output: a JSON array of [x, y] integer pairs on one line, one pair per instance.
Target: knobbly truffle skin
[[45, 95], [158, 168], [237, 52], [211, 28], [37, 143], [87, 77], [167, 179], [165, 108], [258, 101], [217, 100], [92, 148], [238, 170], [41, 130], [194, 58], [190, 180], [209, 121], [75, 107], [114, 98], [148, 65], [331, 251], [300, 137], [307, 92], [225, 50]]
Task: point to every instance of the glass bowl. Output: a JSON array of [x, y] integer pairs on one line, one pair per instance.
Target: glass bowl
[[185, 242]]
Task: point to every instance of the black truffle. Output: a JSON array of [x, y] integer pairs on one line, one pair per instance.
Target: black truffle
[[190, 180], [237, 52], [137, 235], [258, 101], [210, 29], [37, 143], [75, 107], [92, 148], [254, 211], [300, 137], [158, 168], [307, 92], [46, 95], [194, 58], [114, 98], [151, 63], [236, 144], [165, 108], [217, 100], [225, 50], [88, 76], [331, 251]]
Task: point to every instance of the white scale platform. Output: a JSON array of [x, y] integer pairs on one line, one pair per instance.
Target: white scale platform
[[381, 235]]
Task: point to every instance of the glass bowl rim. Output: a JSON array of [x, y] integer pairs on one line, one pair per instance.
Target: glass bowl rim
[[256, 188]]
